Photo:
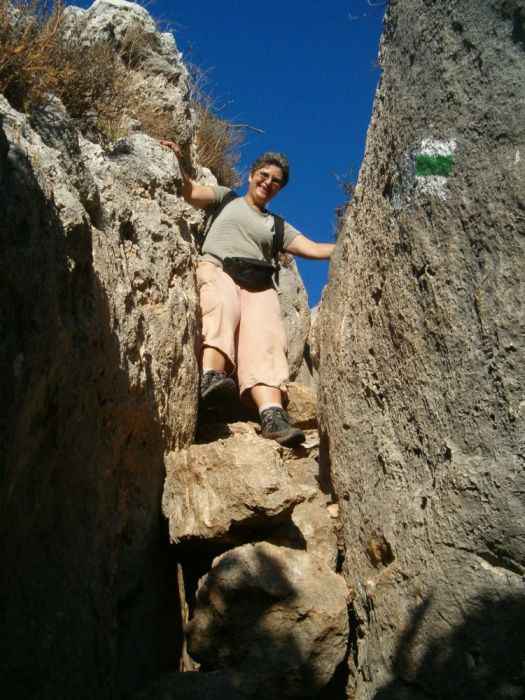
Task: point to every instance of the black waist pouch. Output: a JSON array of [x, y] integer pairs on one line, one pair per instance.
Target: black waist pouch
[[249, 272]]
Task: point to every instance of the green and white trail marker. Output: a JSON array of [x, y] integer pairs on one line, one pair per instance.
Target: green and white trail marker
[[424, 170], [433, 163]]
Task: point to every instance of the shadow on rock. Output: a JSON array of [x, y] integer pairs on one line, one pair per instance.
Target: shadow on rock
[[481, 658], [84, 584], [274, 619]]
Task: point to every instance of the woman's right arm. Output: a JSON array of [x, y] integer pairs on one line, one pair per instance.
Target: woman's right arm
[[199, 196]]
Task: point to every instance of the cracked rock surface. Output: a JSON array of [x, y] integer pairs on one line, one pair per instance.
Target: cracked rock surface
[[99, 380], [422, 361], [269, 612]]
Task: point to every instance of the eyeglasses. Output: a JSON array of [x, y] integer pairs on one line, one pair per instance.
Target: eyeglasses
[[263, 176]]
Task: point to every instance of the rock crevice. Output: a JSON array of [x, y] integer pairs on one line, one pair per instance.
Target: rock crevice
[[408, 507], [99, 387]]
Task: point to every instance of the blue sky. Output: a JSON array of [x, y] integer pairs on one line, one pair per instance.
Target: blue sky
[[304, 72]]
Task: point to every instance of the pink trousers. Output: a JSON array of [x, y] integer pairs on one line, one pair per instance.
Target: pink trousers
[[245, 326]]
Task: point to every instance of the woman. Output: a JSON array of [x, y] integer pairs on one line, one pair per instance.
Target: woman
[[242, 328]]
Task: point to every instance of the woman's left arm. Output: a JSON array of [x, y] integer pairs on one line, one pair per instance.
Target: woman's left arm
[[306, 248]]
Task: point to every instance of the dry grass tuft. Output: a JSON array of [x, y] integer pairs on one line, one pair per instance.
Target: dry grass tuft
[[40, 55], [217, 144], [43, 54], [97, 91], [217, 140], [29, 41], [154, 121], [136, 45]]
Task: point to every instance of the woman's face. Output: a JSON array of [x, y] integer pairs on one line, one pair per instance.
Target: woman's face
[[265, 183]]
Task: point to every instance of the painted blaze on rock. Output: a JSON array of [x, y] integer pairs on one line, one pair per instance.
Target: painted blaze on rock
[[424, 170], [427, 165]]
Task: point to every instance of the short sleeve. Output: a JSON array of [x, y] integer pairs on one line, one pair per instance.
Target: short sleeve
[[289, 234], [219, 192]]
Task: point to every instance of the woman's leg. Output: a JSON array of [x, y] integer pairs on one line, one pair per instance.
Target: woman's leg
[[263, 395], [220, 309], [262, 366], [261, 346], [213, 359]]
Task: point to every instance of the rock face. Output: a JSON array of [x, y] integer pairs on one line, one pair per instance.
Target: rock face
[[157, 75], [302, 405], [420, 364], [296, 314], [95, 336], [307, 374], [98, 382], [421, 368], [264, 614], [98, 388]]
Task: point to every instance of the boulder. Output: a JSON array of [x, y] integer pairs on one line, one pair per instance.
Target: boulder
[[275, 618], [233, 482], [312, 529], [302, 405], [313, 526]]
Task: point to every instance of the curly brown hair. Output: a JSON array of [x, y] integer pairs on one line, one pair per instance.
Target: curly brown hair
[[271, 158]]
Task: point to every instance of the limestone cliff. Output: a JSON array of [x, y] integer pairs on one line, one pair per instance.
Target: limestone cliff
[[420, 361], [98, 382], [421, 370]]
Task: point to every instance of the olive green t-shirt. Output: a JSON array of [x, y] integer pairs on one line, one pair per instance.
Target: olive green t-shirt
[[240, 231]]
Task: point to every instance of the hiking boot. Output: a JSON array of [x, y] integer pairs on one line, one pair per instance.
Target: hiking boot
[[216, 386], [276, 426]]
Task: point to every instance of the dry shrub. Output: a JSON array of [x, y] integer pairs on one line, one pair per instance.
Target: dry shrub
[[96, 91], [29, 37], [217, 144], [155, 116], [136, 45], [156, 123], [217, 140], [42, 55]]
